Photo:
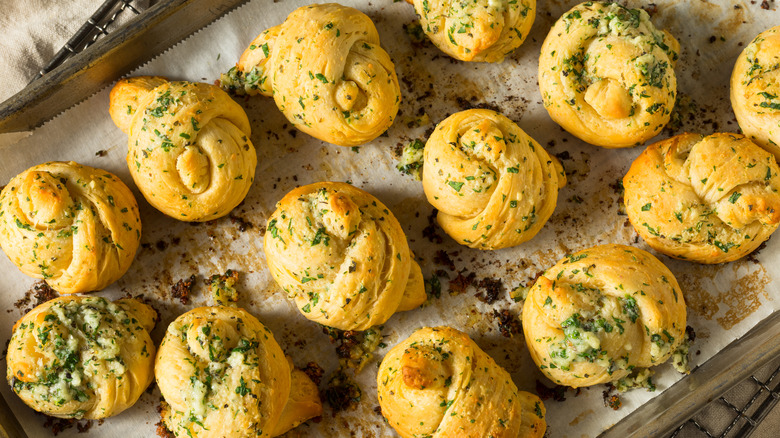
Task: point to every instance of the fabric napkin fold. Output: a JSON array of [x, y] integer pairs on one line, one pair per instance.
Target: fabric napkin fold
[[35, 30]]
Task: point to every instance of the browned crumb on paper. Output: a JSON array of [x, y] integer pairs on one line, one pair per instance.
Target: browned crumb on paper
[[460, 283], [431, 231], [162, 430], [355, 348], [243, 224], [765, 4], [443, 259], [342, 393], [611, 398], [182, 289], [556, 393], [58, 425], [222, 287], [314, 371], [39, 293], [490, 289], [508, 323]]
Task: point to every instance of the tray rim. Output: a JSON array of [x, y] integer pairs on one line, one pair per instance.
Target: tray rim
[[149, 34]]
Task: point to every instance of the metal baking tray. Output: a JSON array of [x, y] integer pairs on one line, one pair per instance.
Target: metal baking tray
[[170, 21]]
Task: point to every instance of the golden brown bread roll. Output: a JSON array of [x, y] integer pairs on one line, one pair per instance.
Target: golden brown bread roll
[[755, 87], [222, 374], [189, 151], [327, 73], [342, 256], [82, 357], [438, 383], [481, 30], [607, 74], [706, 199], [493, 184], [600, 313], [75, 226]]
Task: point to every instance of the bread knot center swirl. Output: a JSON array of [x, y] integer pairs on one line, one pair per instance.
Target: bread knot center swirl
[[426, 367], [342, 256], [738, 188], [327, 73], [45, 200], [75, 226], [607, 74], [189, 149], [211, 341], [494, 186]]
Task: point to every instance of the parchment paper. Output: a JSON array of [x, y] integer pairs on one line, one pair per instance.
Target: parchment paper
[[724, 301]]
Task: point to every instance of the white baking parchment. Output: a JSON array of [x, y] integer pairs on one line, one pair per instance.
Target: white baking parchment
[[724, 301]]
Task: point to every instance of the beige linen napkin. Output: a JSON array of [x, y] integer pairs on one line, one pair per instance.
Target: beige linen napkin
[[35, 30]]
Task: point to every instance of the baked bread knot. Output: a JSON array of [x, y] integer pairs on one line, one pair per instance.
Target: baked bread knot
[[755, 87], [599, 314], [327, 73], [493, 184], [82, 357], [607, 74], [342, 256], [482, 30], [75, 226], [438, 383], [189, 151], [222, 374], [707, 199]]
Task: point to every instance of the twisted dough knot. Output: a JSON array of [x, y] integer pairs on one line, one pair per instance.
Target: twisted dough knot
[[327, 73], [755, 87], [188, 150], [438, 383], [481, 30], [708, 199], [607, 74], [598, 314], [342, 256], [494, 185], [222, 373], [75, 226], [82, 357]]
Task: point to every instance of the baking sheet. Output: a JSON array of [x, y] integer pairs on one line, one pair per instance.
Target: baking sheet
[[724, 301]]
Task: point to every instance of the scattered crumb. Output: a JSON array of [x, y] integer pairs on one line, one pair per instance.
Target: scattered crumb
[[222, 290], [431, 231], [611, 398], [557, 392], [491, 289], [443, 259], [355, 349], [433, 287], [182, 289], [314, 371], [342, 393], [243, 224], [461, 282], [508, 323], [40, 293]]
